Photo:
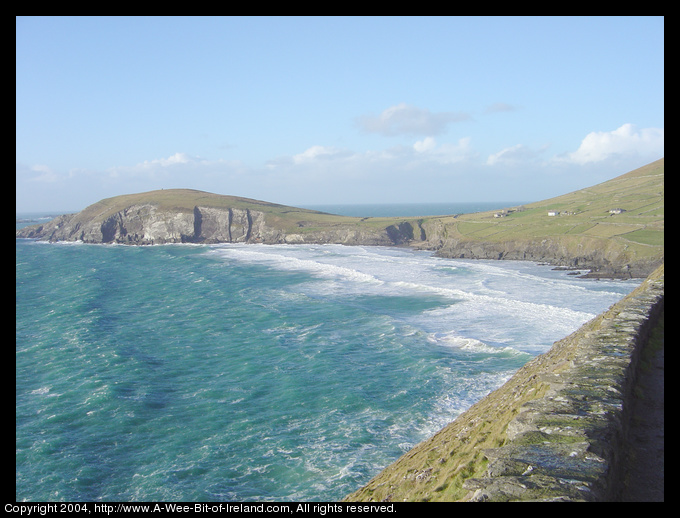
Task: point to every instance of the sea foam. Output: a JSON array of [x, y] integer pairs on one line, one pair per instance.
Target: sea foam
[[476, 298]]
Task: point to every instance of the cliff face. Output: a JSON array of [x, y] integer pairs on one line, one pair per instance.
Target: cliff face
[[596, 255], [137, 224], [147, 224]]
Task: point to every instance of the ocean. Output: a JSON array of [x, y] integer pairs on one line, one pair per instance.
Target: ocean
[[410, 210], [261, 372]]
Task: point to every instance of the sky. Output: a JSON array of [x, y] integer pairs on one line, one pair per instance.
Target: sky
[[322, 110]]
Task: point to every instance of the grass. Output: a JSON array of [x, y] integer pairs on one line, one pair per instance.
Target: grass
[[646, 237], [456, 453], [289, 219], [584, 215], [186, 199]]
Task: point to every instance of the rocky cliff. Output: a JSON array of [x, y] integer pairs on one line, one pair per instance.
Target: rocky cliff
[[594, 255], [150, 223]]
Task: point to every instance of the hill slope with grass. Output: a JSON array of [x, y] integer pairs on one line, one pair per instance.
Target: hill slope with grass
[[615, 228]]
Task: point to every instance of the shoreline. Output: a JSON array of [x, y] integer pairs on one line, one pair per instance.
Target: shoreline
[[592, 272]]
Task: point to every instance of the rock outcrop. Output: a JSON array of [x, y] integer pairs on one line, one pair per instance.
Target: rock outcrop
[[147, 224], [593, 255]]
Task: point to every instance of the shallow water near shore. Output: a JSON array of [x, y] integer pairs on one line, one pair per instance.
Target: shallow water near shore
[[255, 373]]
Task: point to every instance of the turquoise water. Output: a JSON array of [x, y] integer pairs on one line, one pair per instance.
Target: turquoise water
[[255, 373]]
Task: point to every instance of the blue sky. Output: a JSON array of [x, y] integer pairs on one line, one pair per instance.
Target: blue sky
[[305, 111]]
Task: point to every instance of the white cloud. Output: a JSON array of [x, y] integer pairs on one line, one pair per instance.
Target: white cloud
[[45, 174], [451, 153], [177, 170], [427, 144], [314, 153], [625, 141], [511, 156], [177, 158], [155, 167], [152, 168], [355, 175], [427, 150], [403, 119]]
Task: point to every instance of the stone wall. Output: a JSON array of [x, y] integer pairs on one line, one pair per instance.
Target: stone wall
[[568, 444], [554, 431]]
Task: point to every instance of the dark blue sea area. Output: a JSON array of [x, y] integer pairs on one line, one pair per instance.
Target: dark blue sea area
[[411, 209]]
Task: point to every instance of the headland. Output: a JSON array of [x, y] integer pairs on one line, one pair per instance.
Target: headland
[[614, 229]]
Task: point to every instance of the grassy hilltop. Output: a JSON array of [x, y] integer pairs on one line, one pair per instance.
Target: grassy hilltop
[[583, 213], [184, 201]]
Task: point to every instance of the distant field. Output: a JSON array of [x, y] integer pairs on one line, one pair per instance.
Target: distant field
[[581, 214], [646, 237]]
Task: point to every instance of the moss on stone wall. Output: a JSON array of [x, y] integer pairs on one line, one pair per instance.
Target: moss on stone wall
[[552, 432]]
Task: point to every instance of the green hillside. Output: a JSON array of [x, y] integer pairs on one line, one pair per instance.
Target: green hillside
[[582, 221], [184, 200], [585, 212]]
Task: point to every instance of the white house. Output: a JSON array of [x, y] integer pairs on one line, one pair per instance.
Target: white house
[[553, 213]]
